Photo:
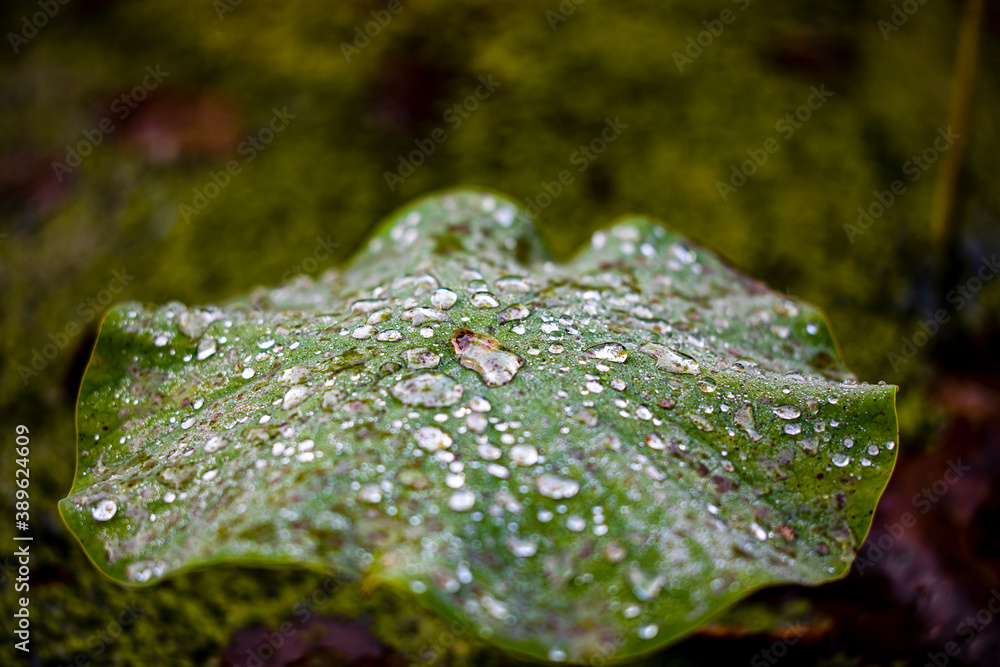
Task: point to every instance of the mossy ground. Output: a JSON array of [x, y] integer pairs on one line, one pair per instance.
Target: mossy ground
[[321, 182]]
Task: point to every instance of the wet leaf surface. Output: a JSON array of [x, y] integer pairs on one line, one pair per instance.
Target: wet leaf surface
[[573, 461]]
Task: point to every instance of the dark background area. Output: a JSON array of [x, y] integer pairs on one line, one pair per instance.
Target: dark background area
[[141, 203]]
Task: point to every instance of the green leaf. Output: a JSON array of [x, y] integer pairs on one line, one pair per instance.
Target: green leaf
[[577, 462]]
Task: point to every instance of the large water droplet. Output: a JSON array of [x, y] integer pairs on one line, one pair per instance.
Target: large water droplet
[[419, 316], [555, 487], [214, 444], [840, 459], [294, 397], [744, 419], [484, 300], [443, 299], [512, 284], [370, 493], [428, 390], [421, 357], [483, 354], [431, 438], [104, 510], [615, 352], [512, 313], [462, 500], [787, 411], [522, 548], [523, 455], [206, 348], [671, 360]]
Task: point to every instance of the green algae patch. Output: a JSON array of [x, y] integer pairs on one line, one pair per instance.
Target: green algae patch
[[574, 461]]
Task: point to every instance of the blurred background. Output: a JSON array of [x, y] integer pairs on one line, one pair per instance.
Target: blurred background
[[846, 153]]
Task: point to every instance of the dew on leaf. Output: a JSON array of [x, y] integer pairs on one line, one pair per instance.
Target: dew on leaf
[[671, 360], [428, 390], [104, 510], [522, 548], [484, 300], [431, 438], [482, 353], [641, 493], [421, 357], [615, 352], [421, 316], [479, 404], [555, 487], [370, 493], [513, 313], [379, 316], [206, 348], [787, 412], [294, 397], [462, 500], [214, 444], [443, 299], [498, 471], [363, 332], [489, 451], [523, 455], [512, 284]]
